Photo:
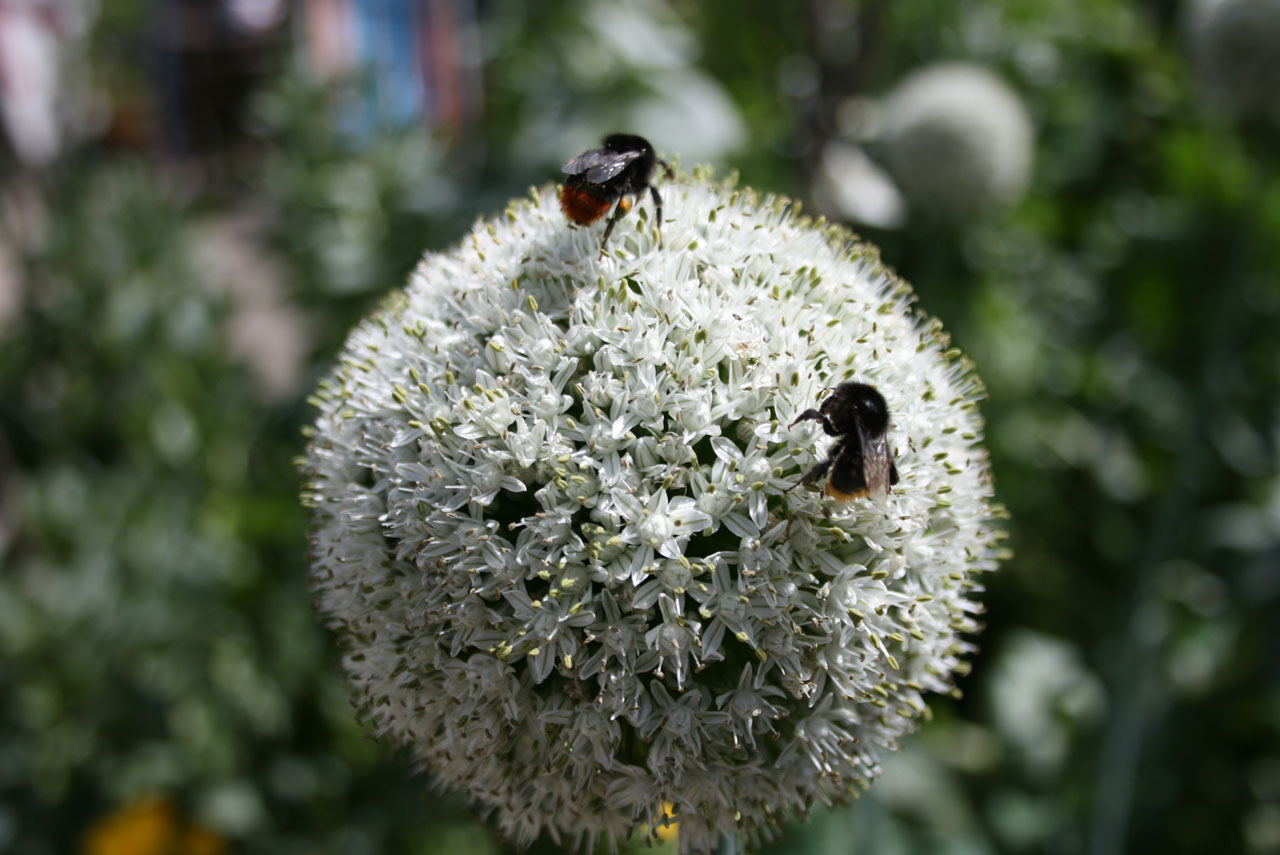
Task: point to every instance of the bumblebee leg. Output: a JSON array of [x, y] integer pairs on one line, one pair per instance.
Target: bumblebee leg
[[814, 415], [812, 475], [624, 205], [657, 204], [667, 171]]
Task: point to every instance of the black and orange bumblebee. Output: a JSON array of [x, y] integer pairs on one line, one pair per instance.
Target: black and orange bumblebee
[[611, 175]]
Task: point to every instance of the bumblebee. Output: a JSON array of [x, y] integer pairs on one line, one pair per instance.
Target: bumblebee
[[861, 463], [601, 177]]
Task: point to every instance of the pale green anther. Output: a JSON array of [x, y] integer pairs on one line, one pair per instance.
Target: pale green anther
[[496, 345], [533, 304]]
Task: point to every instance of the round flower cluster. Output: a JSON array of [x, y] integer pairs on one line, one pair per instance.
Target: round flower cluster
[[957, 140], [1236, 45], [557, 524]]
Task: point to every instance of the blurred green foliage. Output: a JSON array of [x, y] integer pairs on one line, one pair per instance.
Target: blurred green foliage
[[155, 628]]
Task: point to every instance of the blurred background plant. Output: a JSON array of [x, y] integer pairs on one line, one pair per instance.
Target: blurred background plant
[[199, 197]]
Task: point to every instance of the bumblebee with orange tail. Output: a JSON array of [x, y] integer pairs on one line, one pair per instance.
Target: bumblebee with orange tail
[[614, 173], [861, 463]]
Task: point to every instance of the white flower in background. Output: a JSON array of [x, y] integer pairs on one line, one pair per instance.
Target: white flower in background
[[638, 44], [957, 140], [552, 522], [45, 99], [1041, 692], [851, 186], [264, 329], [1236, 48], [690, 112]]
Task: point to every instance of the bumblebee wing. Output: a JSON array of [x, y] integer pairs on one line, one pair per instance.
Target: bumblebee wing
[[599, 165], [584, 161], [877, 463]]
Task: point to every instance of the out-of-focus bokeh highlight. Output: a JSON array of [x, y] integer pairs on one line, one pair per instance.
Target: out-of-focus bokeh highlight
[[199, 197]]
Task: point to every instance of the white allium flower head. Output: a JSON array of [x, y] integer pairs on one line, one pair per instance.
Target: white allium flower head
[[552, 522], [958, 140], [1236, 48]]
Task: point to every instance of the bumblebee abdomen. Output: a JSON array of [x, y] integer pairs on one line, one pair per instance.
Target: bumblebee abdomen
[[582, 206], [848, 476], [841, 496]]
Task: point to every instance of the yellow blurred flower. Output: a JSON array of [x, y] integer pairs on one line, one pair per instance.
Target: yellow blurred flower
[[150, 826], [667, 829]]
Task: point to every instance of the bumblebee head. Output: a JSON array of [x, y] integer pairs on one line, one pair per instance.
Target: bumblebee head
[[626, 142], [854, 406]]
